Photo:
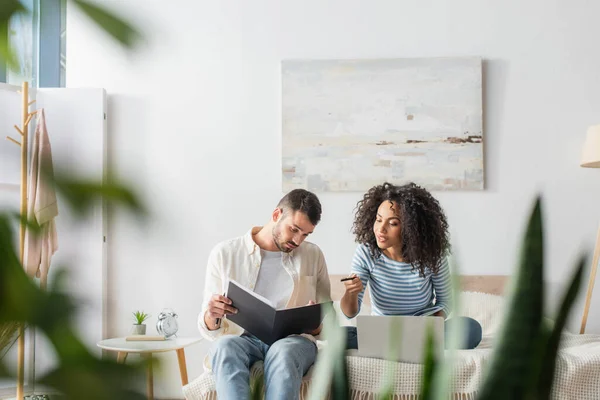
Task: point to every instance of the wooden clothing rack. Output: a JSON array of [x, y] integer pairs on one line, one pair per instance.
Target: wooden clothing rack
[[23, 143]]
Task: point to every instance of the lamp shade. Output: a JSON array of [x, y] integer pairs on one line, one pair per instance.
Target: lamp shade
[[591, 149]]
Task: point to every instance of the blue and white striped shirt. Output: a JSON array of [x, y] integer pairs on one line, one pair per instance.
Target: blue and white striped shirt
[[397, 289]]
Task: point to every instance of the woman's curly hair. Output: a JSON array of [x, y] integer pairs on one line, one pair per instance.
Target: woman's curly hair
[[423, 224]]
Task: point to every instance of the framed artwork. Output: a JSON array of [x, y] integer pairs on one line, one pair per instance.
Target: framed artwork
[[348, 125]]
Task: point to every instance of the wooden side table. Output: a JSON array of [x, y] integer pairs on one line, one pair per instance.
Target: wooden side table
[[146, 348]]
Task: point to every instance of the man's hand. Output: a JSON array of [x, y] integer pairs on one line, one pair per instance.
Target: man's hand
[[318, 330], [353, 286], [440, 313], [218, 307]]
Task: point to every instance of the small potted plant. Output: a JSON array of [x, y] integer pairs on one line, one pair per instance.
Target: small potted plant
[[139, 328]]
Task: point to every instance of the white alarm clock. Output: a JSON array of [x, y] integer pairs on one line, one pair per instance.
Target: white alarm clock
[[167, 323]]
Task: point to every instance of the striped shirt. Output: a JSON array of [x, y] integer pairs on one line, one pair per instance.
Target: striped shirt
[[396, 289]]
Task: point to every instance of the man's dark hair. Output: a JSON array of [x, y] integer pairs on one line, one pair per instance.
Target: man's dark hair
[[303, 201]]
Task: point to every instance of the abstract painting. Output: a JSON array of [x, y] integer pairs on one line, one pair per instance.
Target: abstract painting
[[348, 125]]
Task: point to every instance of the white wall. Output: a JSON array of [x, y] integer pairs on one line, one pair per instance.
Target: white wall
[[195, 122]]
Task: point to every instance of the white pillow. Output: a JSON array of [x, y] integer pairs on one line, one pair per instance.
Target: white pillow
[[487, 309]]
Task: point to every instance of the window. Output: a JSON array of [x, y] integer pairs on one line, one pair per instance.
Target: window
[[38, 39], [20, 38]]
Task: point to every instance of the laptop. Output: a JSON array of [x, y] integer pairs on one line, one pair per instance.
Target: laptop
[[378, 335]]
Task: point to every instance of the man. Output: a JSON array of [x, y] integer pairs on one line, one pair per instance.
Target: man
[[275, 262]]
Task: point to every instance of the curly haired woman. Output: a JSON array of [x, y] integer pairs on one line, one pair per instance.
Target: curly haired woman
[[402, 255]]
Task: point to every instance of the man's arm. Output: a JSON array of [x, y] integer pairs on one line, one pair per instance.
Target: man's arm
[[213, 284], [323, 285]]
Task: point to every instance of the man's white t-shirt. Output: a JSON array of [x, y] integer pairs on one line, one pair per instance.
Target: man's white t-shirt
[[274, 282]]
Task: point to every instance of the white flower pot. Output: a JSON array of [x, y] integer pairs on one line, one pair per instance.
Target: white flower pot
[[138, 329]]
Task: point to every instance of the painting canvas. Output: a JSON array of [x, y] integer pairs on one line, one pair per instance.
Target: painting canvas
[[350, 124]]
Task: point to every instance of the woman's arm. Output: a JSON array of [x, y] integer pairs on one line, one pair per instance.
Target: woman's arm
[[355, 289], [442, 285]]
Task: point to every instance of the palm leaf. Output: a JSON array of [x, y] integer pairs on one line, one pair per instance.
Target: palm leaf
[[82, 195], [548, 360], [8, 335], [333, 354], [507, 376], [429, 369], [442, 376], [8, 9], [395, 338], [79, 374], [257, 387], [116, 27]]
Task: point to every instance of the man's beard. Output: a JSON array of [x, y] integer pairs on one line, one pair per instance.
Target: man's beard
[[278, 242]]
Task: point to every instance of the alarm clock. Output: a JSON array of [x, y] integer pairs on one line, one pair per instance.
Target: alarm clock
[[167, 323]]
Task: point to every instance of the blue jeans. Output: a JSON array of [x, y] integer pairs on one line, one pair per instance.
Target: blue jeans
[[285, 363], [471, 329]]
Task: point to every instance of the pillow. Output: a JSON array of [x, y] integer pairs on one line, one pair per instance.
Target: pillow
[[488, 310], [485, 308]]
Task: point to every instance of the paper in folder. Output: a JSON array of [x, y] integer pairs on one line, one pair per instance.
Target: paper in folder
[[259, 317]]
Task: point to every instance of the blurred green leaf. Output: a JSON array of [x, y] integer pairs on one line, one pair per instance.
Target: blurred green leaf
[[257, 387], [340, 387], [509, 370], [83, 195], [17, 292], [79, 374], [20, 300], [429, 368], [99, 380], [548, 361], [3, 370], [120, 30], [7, 10], [329, 359], [443, 373], [8, 335], [29, 223], [395, 338]]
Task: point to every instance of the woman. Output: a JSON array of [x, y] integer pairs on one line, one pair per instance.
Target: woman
[[402, 255]]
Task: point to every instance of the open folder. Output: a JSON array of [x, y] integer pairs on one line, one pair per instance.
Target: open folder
[[259, 317]]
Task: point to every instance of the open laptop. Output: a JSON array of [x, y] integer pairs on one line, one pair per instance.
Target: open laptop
[[407, 333]]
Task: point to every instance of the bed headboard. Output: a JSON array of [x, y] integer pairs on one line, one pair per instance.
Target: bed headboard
[[492, 284]]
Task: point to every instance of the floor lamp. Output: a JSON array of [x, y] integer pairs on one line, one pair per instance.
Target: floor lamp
[[591, 159]]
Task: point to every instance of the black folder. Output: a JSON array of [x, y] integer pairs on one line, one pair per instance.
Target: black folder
[[258, 316]]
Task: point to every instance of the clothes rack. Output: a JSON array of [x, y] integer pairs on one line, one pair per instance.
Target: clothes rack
[[23, 130]]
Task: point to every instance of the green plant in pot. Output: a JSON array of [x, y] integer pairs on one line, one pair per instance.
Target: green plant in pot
[[139, 328]]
